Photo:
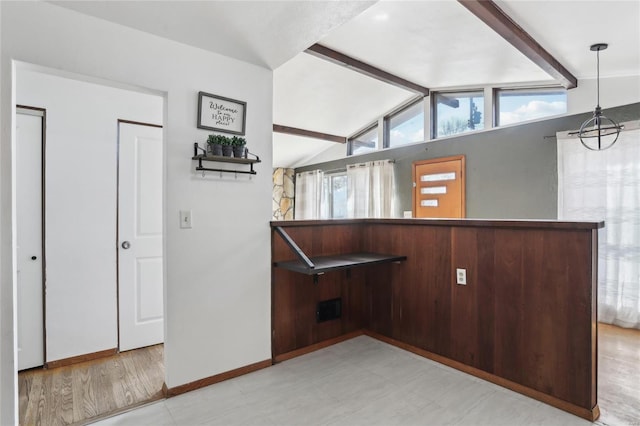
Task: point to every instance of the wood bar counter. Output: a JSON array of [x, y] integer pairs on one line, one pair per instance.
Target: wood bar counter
[[526, 319]]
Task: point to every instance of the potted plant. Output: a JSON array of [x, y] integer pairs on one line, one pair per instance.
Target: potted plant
[[227, 149], [215, 144], [238, 146]]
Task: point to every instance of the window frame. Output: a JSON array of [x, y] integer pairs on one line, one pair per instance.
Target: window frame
[[434, 110], [490, 105], [351, 139], [386, 122], [495, 102]]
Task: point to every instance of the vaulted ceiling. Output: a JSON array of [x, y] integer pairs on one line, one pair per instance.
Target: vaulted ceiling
[[438, 44]]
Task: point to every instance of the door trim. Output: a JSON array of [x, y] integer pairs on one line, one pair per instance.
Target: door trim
[[463, 179], [41, 112], [138, 123]]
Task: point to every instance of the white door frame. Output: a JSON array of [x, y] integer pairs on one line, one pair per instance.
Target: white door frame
[[10, 362], [40, 112]]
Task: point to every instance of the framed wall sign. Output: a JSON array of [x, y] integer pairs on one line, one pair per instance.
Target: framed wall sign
[[221, 114]]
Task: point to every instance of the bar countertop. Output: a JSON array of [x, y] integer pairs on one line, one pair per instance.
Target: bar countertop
[[489, 223]]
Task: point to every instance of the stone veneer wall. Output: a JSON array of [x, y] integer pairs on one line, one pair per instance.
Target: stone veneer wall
[[283, 193]]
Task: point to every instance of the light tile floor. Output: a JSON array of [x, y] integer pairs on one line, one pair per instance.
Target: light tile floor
[[358, 382]]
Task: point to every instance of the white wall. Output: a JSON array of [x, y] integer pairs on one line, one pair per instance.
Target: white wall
[[81, 192], [614, 91], [217, 289], [8, 339], [334, 152]]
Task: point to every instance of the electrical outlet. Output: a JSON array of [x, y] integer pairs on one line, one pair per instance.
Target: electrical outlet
[[185, 219], [461, 276], [407, 214]]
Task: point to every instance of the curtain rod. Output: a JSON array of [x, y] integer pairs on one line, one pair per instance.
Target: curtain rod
[[344, 169], [365, 163]]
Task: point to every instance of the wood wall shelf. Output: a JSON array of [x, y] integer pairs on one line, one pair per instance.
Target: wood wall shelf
[[221, 159], [344, 261]]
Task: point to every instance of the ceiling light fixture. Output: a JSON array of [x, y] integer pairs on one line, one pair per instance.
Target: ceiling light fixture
[[599, 132]]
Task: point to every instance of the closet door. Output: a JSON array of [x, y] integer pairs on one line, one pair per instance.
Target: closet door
[[29, 253], [140, 290]]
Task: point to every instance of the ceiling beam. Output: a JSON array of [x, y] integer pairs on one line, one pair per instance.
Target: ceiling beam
[[447, 100], [308, 133], [500, 22], [336, 57]]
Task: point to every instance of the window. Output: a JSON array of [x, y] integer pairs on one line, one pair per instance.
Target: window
[[406, 126], [335, 194], [309, 199], [366, 141], [516, 105], [371, 189], [458, 112]]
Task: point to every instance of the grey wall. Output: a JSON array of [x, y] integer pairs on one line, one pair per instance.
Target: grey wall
[[511, 172]]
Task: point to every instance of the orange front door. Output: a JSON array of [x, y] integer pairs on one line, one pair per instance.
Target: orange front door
[[438, 188]]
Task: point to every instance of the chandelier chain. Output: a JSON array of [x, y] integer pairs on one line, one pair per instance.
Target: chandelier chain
[[598, 76]]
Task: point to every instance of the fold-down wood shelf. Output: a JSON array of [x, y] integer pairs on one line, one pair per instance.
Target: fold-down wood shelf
[[343, 261], [320, 265]]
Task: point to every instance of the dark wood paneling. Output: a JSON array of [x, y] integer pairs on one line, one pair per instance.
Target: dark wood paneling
[[330, 286], [319, 240], [379, 299], [422, 308], [485, 296], [527, 314], [464, 335], [295, 296], [355, 315], [507, 304], [420, 290]]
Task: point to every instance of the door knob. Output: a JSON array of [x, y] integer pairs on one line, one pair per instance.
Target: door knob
[[34, 257], [126, 245]]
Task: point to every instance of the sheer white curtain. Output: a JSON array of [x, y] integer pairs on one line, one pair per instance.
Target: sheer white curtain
[[309, 198], [605, 185], [371, 189]]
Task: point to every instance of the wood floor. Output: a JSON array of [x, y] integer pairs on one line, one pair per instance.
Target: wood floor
[[74, 394], [618, 375]]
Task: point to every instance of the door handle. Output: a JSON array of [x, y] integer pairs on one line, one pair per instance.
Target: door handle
[[126, 245]]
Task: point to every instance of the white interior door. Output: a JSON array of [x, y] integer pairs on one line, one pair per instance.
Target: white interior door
[[29, 238], [140, 236]]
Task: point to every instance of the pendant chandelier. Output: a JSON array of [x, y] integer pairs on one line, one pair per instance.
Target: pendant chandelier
[[599, 132]]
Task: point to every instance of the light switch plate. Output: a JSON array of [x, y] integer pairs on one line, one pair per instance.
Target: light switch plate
[[461, 276], [185, 219]]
